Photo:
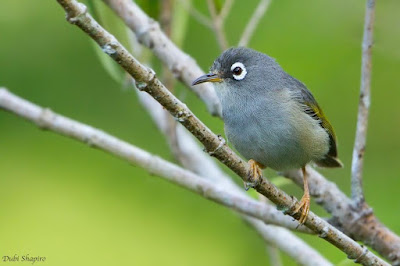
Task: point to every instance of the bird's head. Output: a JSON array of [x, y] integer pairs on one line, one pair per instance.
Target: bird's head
[[241, 71]]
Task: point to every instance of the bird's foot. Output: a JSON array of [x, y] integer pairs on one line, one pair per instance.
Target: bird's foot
[[304, 206], [254, 175]]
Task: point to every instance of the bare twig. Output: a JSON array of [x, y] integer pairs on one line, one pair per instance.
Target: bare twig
[[274, 256], [47, 119], [225, 10], [197, 15], [218, 25], [253, 22], [146, 81], [273, 252], [181, 64], [357, 193]]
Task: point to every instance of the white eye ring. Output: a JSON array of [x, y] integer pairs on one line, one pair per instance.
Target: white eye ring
[[242, 74]]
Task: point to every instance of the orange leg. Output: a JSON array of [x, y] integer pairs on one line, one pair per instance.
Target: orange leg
[[304, 204], [254, 175]]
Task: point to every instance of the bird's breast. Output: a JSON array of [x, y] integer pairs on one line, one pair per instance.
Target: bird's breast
[[274, 131]]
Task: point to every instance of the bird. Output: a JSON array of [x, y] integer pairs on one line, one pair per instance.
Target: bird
[[271, 118]]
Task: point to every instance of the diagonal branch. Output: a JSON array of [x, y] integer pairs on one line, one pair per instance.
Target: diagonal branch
[[253, 22], [147, 81], [363, 108], [47, 119]]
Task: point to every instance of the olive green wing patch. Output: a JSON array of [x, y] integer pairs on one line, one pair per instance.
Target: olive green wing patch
[[314, 111]]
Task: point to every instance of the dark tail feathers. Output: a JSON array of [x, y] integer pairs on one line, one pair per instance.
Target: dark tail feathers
[[329, 162]]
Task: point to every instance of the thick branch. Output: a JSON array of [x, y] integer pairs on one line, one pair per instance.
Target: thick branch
[[253, 22], [49, 120], [363, 107], [146, 81], [149, 34]]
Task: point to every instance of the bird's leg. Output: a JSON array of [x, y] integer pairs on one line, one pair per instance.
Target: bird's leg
[[254, 174], [304, 204]]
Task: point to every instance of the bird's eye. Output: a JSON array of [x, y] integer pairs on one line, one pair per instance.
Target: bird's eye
[[238, 71]]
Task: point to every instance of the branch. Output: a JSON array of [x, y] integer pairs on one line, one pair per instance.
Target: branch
[[64, 126], [218, 24], [146, 81], [149, 34], [226, 9], [202, 19], [363, 107], [274, 256], [253, 22]]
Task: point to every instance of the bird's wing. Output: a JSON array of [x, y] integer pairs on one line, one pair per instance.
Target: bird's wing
[[313, 110]]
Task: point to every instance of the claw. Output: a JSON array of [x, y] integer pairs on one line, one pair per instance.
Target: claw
[[304, 206], [254, 175]]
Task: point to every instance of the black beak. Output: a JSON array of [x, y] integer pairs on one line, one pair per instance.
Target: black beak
[[210, 77]]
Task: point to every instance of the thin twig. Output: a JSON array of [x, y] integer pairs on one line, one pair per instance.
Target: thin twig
[[357, 193], [225, 10], [274, 256], [273, 252], [64, 126], [218, 25], [197, 15], [253, 22], [147, 81]]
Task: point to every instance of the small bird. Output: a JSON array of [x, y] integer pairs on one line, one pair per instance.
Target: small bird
[[270, 117]]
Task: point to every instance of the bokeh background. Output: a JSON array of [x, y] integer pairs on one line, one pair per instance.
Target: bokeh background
[[80, 206]]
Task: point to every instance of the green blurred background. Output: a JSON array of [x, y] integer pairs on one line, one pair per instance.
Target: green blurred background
[[79, 206]]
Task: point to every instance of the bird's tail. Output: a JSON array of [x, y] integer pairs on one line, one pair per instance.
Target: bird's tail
[[329, 162]]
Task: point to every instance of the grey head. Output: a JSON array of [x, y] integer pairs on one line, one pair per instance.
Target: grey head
[[242, 77], [242, 70]]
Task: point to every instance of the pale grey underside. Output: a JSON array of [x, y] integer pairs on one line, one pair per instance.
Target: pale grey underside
[[272, 127]]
